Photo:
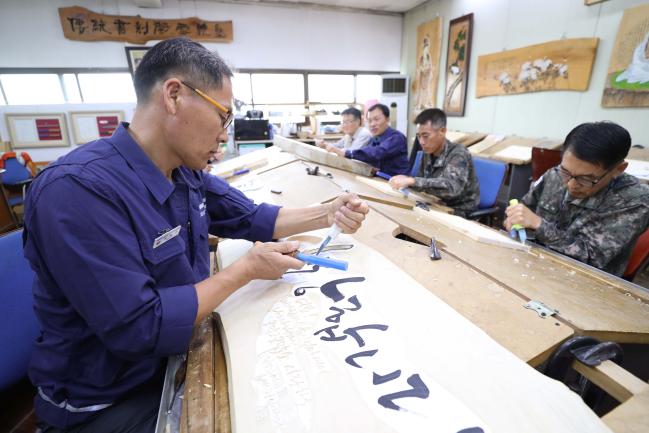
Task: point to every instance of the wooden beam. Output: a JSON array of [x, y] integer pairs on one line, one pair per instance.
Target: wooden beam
[[631, 416], [321, 156], [613, 379]]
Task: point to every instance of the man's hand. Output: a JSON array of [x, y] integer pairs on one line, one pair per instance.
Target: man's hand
[[521, 214], [334, 149], [321, 144], [269, 261], [348, 212], [400, 181]]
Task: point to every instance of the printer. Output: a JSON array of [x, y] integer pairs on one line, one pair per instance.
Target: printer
[[251, 127]]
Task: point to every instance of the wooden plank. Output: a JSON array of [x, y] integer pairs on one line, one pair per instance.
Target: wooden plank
[[483, 301], [512, 149], [558, 65], [81, 24], [472, 229], [489, 141], [466, 139], [199, 381], [311, 190], [295, 379], [222, 422], [631, 416], [414, 197], [591, 304], [616, 381], [638, 154], [346, 181], [274, 157], [321, 156]]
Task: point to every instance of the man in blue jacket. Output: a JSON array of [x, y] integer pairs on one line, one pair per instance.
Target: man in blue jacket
[[387, 150], [116, 232]]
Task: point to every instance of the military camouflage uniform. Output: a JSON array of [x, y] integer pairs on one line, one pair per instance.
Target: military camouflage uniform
[[600, 230], [450, 177]]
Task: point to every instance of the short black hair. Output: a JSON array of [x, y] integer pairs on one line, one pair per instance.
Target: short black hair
[[601, 143], [189, 60], [351, 111], [435, 116], [384, 109]]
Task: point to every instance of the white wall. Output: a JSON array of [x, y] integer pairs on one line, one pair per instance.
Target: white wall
[[508, 24], [267, 37]]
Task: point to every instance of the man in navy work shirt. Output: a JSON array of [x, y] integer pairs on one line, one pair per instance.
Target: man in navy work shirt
[[387, 150], [116, 232]]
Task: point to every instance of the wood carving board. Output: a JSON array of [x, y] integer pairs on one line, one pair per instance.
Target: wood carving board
[[284, 377], [321, 156]]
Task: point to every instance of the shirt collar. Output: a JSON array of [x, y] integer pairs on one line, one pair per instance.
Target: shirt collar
[[157, 184], [387, 132]]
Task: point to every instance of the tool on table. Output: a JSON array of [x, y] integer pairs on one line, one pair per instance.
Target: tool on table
[[333, 232], [324, 262], [338, 247], [522, 234], [434, 251], [315, 171]]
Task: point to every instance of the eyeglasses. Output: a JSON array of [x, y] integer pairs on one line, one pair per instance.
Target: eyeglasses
[[229, 115], [584, 181]]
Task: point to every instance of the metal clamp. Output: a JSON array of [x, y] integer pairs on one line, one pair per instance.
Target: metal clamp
[[542, 309]]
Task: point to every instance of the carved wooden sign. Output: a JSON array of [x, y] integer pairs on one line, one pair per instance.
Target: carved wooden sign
[[557, 65], [81, 24]]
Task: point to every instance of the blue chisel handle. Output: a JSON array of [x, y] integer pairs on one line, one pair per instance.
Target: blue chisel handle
[[322, 261], [383, 175]]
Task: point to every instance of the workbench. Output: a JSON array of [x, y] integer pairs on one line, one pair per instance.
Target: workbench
[[489, 285]]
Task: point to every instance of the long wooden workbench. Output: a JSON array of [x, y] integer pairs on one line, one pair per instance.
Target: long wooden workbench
[[487, 284]]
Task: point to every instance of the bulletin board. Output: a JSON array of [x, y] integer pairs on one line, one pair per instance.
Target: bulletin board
[[93, 125], [34, 130]]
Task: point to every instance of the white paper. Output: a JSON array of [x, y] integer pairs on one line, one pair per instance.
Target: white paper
[[87, 128], [26, 131], [639, 169], [522, 153]]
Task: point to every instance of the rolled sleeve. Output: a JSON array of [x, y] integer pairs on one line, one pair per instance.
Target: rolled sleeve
[[179, 308]]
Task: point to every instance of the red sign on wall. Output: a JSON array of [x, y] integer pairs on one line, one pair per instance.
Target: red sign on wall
[[49, 129], [106, 125]]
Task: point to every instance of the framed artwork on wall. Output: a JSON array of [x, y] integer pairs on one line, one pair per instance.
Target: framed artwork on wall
[[33, 130], [92, 125], [457, 64], [429, 47], [627, 80], [134, 56]]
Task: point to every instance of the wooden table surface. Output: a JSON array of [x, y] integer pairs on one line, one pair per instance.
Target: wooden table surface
[[490, 149], [589, 301], [487, 284]]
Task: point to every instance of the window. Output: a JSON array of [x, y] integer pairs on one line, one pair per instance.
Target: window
[[241, 88], [278, 88], [368, 87], [107, 87], [331, 88], [22, 89], [71, 88]]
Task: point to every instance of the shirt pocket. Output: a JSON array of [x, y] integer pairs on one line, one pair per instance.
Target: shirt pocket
[[166, 251], [548, 209]]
